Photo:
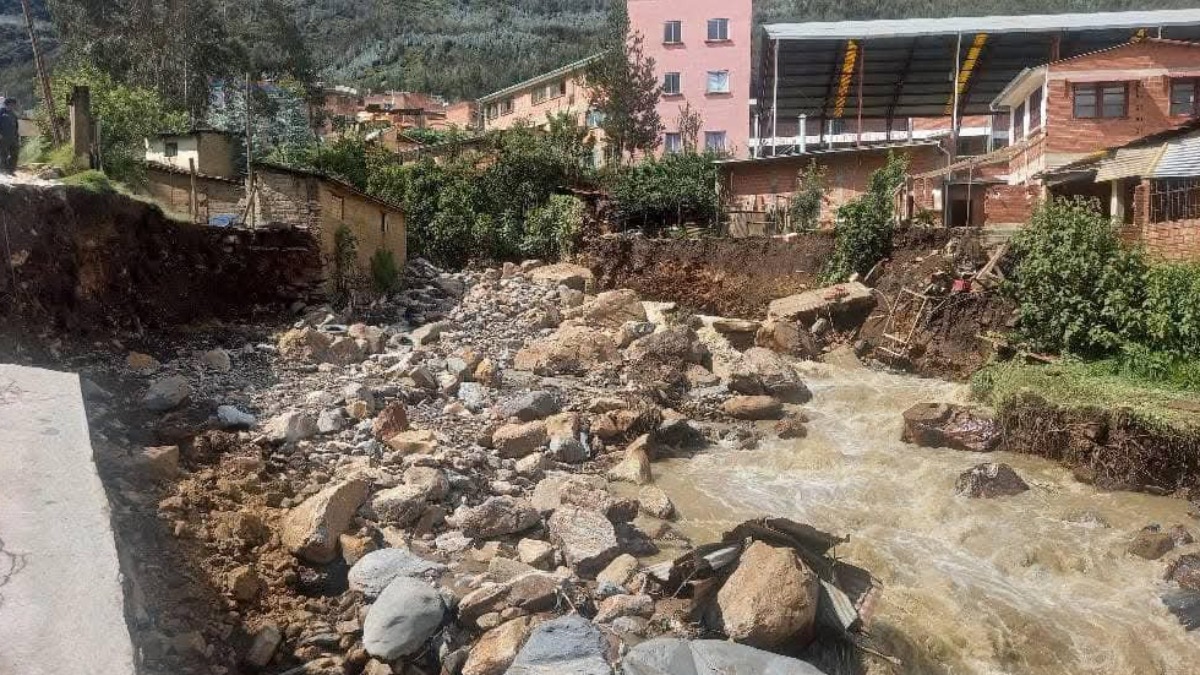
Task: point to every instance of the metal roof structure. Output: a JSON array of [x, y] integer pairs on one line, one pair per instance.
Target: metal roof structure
[[1174, 153], [915, 67], [540, 79]]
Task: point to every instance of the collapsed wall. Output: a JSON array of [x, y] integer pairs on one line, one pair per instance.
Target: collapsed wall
[[81, 261], [726, 277]]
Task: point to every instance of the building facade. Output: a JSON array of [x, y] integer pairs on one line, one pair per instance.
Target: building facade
[[702, 54], [207, 151], [539, 99]]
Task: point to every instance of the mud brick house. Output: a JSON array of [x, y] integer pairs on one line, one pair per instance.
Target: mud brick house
[[323, 206], [208, 151], [200, 197]]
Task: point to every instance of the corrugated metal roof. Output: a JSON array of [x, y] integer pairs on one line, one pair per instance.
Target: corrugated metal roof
[[1180, 159], [1030, 23], [1128, 162]]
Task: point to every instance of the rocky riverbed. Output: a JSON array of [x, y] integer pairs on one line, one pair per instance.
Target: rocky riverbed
[[459, 479]]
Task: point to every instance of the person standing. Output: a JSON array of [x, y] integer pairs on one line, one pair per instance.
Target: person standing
[[10, 139]]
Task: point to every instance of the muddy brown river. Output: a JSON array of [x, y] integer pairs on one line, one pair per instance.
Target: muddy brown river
[[1037, 583]]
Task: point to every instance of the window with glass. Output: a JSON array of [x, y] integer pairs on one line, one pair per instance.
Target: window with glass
[[594, 119], [718, 30], [1183, 97], [1101, 100], [714, 140], [671, 84], [506, 106], [1035, 110], [1019, 121], [171, 150], [718, 81], [673, 32], [673, 142]]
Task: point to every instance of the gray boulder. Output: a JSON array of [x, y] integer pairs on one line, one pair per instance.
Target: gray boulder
[[377, 569], [406, 614], [231, 417], [990, 480], [673, 656], [587, 538], [568, 644], [534, 405], [496, 517]]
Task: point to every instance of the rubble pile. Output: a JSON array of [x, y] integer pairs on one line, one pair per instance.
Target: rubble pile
[[464, 485]]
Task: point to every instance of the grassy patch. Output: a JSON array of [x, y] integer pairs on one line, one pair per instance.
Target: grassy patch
[[1075, 384], [93, 181]]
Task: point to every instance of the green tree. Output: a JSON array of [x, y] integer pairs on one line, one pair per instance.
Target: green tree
[[625, 89], [804, 208], [125, 114], [863, 232]]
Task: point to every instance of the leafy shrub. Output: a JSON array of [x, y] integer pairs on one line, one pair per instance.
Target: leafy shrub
[[345, 253], [864, 225], [1078, 288], [678, 188], [551, 229], [92, 181], [385, 274], [804, 208]]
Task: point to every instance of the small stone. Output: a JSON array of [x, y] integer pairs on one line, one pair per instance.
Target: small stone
[[654, 502], [244, 584], [392, 420], [355, 547], [218, 360], [568, 450], [624, 605], [232, 418], [586, 538], [534, 591], [429, 480], [513, 441], [791, 427], [527, 407], [377, 569], [400, 506], [495, 651], [311, 530], [619, 571], [413, 442], [140, 363], [753, 408], [535, 553], [291, 427], [497, 517], [262, 649], [162, 462], [166, 393], [330, 421]]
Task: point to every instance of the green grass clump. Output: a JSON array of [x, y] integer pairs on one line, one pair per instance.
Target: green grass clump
[[93, 181], [1101, 384]]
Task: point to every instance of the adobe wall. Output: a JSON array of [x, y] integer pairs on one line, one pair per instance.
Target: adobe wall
[[213, 196]]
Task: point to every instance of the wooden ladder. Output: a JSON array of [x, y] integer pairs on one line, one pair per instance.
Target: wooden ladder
[[899, 332]]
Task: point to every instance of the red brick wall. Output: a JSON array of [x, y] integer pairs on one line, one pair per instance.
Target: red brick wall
[[1174, 240], [1146, 66], [756, 186], [1009, 204]]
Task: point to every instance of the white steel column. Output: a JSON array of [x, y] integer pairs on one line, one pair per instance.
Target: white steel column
[[775, 101]]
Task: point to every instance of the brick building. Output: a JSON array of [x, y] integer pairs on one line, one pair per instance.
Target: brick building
[[200, 198]]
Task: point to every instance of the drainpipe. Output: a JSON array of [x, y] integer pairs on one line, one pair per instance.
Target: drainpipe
[[803, 134]]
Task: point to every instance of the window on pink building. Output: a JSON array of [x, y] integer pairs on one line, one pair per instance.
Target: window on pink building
[[718, 81], [714, 140], [671, 84], [718, 30], [673, 142], [673, 32]]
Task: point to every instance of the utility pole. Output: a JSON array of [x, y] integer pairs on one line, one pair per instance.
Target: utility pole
[[43, 76], [250, 187]]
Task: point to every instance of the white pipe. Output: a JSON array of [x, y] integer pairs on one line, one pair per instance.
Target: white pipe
[[803, 134], [775, 102]]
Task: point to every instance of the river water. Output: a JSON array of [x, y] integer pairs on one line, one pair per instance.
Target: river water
[[1037, 583]]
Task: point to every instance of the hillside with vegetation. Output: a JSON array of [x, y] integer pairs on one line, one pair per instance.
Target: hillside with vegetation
[[457, 48]]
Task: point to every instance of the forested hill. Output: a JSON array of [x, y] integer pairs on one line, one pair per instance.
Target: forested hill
[[464, 48]]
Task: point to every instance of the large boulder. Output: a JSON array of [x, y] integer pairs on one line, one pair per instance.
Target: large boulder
[[676, 345], [166, 393], [942, 425], [402, 619], [786, 337], [770, 600], [766, 372], [674, 656], [571, 350], [635, 467], [610, 309], [576, 277], [495, 651], [311, 530], [990, 480], [587, 538], [377, 569], [401, 505], [568, 644], [496, 517]]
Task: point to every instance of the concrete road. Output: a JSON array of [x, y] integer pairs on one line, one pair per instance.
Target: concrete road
[[61, 604]]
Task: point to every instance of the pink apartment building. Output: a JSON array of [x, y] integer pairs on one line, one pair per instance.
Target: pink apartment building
[[701, 50]]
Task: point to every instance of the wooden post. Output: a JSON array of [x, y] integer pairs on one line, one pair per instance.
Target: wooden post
[[43, 76], [192, 206]]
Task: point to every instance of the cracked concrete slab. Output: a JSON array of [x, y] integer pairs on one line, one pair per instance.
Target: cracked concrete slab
[[61, 603]]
